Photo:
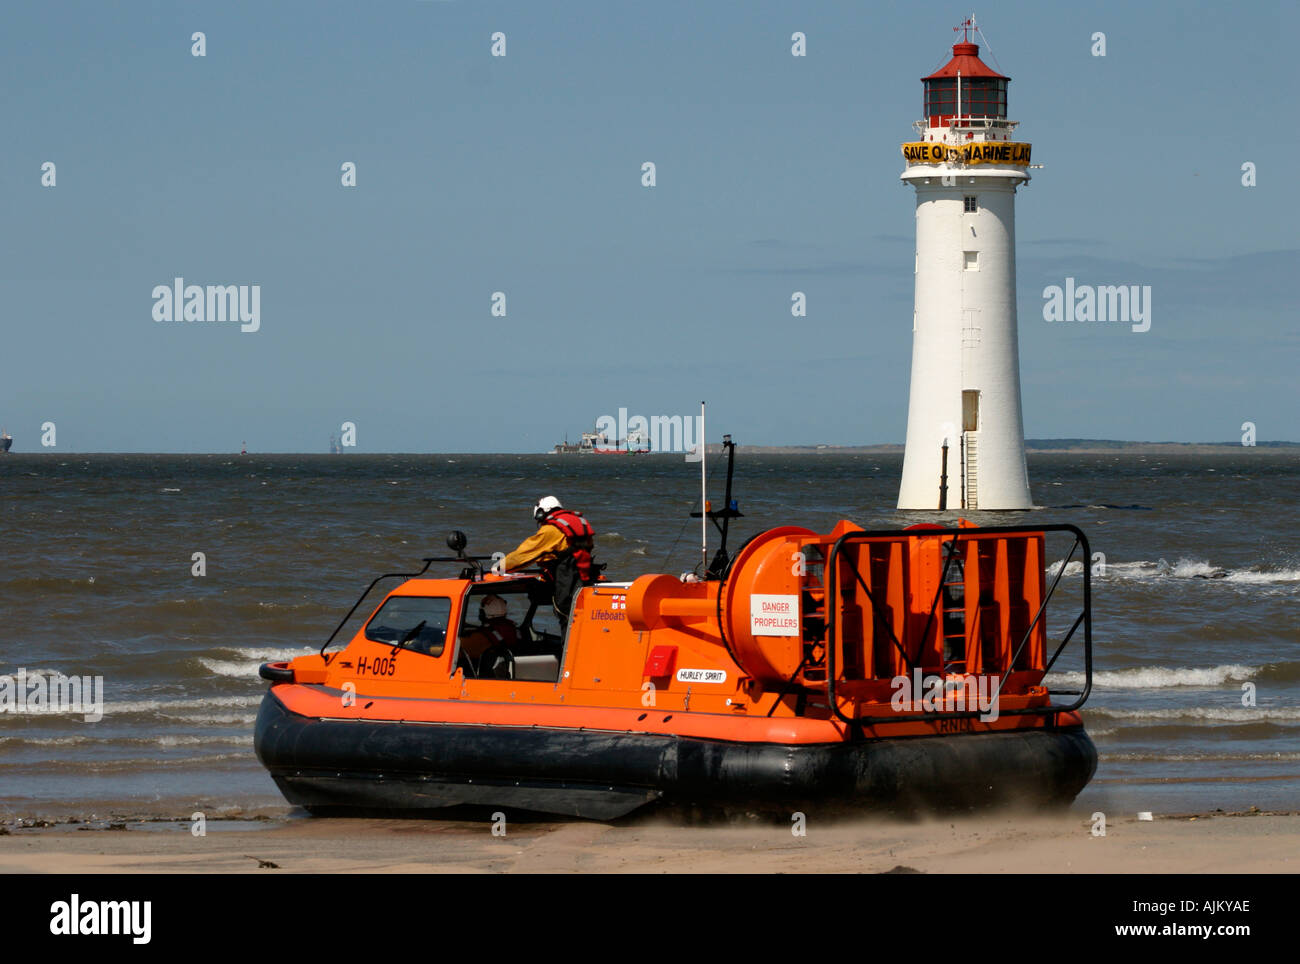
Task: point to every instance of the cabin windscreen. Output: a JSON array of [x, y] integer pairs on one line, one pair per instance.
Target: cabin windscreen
[[419, 620]]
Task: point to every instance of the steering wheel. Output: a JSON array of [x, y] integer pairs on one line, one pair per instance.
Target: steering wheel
[[489, 672]]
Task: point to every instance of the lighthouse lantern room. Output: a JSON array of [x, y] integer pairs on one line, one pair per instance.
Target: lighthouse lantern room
[[965, 435]]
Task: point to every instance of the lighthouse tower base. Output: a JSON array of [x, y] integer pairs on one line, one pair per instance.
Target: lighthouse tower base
[[965, 388]]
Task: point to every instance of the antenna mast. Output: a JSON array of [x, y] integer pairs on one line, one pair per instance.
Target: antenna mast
[[704, 496]]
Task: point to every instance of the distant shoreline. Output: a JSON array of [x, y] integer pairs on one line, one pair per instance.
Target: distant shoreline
[[1032, 447], [1039, 447]]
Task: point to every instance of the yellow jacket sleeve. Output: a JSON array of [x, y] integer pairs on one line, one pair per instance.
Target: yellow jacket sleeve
[[548, 540]]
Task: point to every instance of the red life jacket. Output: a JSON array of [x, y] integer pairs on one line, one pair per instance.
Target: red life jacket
[[578, 534], [503, 631]]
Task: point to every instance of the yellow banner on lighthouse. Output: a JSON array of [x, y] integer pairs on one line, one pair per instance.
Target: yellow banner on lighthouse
[[984, 152], [994, 152]]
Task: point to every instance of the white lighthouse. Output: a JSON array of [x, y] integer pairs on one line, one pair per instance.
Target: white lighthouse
[[965, 435]]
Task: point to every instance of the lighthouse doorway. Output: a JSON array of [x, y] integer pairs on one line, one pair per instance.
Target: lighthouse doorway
[[970, 423], [970, 410]]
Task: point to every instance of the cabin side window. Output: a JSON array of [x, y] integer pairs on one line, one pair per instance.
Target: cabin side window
[[509, 631], [415, 623]]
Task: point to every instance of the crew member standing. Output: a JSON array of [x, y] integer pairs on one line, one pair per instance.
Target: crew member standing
[[562, 546]]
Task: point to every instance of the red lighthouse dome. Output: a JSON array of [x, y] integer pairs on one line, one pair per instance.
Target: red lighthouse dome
[[965, 87]]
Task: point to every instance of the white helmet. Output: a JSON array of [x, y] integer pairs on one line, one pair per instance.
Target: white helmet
[[545, 506], [492, 607]]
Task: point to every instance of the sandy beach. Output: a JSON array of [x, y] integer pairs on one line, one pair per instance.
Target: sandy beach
[[1249, 842]]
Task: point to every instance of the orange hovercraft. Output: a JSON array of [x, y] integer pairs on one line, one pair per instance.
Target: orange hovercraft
[[867, 670]]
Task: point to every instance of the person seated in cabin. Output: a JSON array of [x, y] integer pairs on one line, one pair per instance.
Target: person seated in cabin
[[562, 546], [486, 650]]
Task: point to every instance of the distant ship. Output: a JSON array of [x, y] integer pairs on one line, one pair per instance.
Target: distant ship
[[598, 443], [334, 448], [6, 441]]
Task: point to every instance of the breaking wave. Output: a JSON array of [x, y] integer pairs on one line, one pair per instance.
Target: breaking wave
[[153, 706], [163, 739], [251, 659], [1206, 714], [1182, 568], [235, 719], [1159, 677], [1280, 756]]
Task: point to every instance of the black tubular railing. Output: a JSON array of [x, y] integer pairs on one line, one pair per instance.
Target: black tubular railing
[[958, 536], [361, 598], [472, 571]]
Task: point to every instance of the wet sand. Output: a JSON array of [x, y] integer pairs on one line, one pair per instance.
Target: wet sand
[[1258, 842]]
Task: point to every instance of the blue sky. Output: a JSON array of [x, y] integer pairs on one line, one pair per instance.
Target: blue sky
[[522, 174]]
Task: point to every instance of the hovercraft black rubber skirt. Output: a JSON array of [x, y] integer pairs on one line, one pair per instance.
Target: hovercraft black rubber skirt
[[365, 765]]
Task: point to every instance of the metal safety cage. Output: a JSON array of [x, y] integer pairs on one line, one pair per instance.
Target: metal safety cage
[[956, 536]]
